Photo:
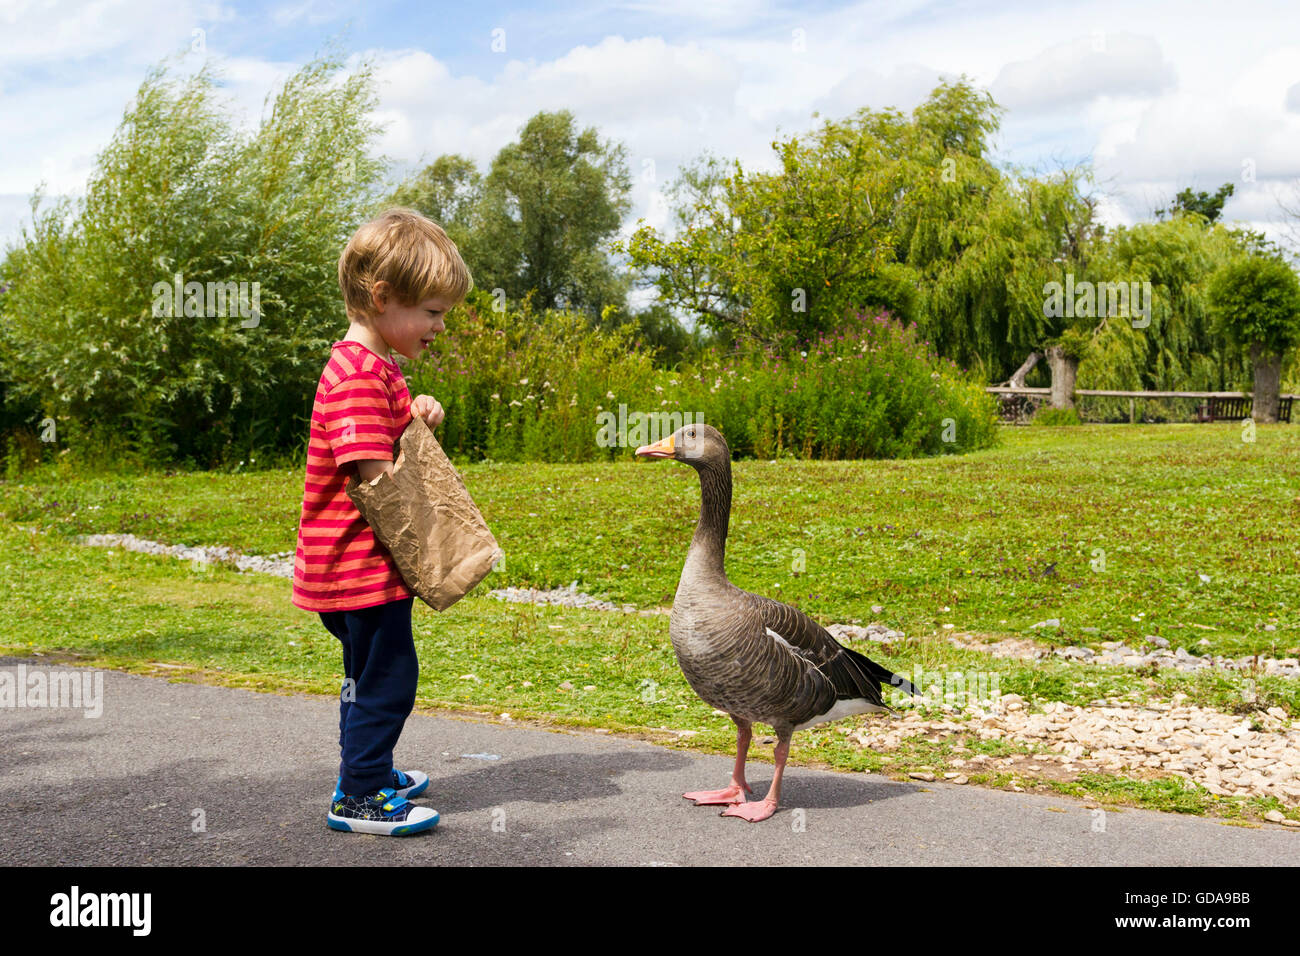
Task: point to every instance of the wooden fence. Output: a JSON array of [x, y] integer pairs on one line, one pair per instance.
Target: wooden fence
[[1020, 403]]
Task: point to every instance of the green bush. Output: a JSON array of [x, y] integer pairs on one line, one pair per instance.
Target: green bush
[[869, 390], [521, 386], [527, 385], [1057, 416], [181, 189]]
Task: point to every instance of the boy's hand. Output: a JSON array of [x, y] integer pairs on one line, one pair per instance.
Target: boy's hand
[[427, 408]]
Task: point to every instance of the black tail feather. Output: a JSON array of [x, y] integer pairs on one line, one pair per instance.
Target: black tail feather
[[884, 675]]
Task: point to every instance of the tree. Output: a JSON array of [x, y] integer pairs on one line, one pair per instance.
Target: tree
[[881, 210], [1174, 347], [1202, 204], [180, 191], [1256, 305], [540, 220], [791, 253], [449, 191], [550, 203], [659, 330], [986, 287]]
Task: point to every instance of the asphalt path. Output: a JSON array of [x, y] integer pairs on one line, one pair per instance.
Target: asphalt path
[[191, 774]]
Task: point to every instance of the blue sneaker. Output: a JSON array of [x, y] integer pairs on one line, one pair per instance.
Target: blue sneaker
[[382, 813], [409, 784], [405, 785]]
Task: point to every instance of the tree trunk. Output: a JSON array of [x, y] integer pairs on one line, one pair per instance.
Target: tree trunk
[[1268, 384], [1064, 370], [1018, 379]]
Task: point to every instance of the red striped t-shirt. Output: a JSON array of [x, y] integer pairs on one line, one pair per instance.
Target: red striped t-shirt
[[362, 407]]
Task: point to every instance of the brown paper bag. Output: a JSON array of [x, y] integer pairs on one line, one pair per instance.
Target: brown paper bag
[[426, 519]]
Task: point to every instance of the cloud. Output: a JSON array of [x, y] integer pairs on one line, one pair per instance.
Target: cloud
[[666, 102], [1255, 154], [1160, 98], [1080, 70], [731, 13], [306, 11], [137, 31], [1238, 131], [903, 88]]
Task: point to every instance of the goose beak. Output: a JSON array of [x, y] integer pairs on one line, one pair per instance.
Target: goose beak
[[660, 449]]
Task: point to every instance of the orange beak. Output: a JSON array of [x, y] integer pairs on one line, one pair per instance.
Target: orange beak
[[660, 449]]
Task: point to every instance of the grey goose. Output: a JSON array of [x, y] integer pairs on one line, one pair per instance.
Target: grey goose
[[752, 657]]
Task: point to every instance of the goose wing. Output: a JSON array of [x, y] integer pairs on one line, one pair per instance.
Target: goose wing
[[852, 675]]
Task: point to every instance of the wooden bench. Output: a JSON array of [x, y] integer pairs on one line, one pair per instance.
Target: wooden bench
[[1235, 409], [1019, 408]]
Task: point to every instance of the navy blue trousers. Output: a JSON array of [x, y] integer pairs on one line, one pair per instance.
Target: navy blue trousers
[[380, 674]]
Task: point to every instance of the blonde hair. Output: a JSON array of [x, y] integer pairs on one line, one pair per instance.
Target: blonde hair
[[409, 252]]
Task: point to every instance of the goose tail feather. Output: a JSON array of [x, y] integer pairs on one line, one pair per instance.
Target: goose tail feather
[[884, 675]]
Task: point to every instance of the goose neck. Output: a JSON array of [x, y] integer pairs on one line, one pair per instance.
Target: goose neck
[[709, 544]]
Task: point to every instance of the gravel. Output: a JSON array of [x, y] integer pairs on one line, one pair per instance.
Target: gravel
[[565, 597], [872, 632], [1221, 752], [280, 565], [1117, 654]]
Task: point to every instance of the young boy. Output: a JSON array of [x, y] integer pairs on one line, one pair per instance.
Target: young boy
[[399, 275]]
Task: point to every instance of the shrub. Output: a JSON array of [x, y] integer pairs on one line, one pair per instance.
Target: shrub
[[520, 386], [868, 390], [527, 385], [1057, 416], [180, 189]]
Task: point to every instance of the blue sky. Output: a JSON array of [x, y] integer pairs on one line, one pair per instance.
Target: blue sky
[[1157, 96]]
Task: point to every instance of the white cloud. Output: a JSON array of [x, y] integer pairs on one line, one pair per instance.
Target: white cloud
[[664, 101], [1072, 73], [904, 87], [44, 32], [1293, 98], [1239, 132], [308, 11], [1177, 95], [719, 13], [68, 71]]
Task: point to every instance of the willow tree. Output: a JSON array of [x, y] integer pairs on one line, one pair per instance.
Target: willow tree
[[793, 252], [1172, 345], [182, 191], [1256, 306], [986, 258]]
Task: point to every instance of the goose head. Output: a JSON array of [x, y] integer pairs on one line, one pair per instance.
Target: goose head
[[701, 446]]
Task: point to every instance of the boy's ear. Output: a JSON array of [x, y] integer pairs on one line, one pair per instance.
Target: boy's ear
[[380, 293]]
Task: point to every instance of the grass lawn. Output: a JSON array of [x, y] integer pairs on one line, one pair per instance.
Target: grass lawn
[[1105, 527]]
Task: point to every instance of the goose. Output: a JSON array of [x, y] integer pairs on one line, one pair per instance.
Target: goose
[[750, 656]]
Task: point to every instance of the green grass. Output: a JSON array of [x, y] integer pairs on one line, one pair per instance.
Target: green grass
[[1003, 538]]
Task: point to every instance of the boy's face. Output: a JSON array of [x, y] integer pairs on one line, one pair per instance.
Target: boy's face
[[408, 329]]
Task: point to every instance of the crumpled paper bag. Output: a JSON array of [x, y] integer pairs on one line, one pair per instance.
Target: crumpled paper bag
[[424, 516]]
